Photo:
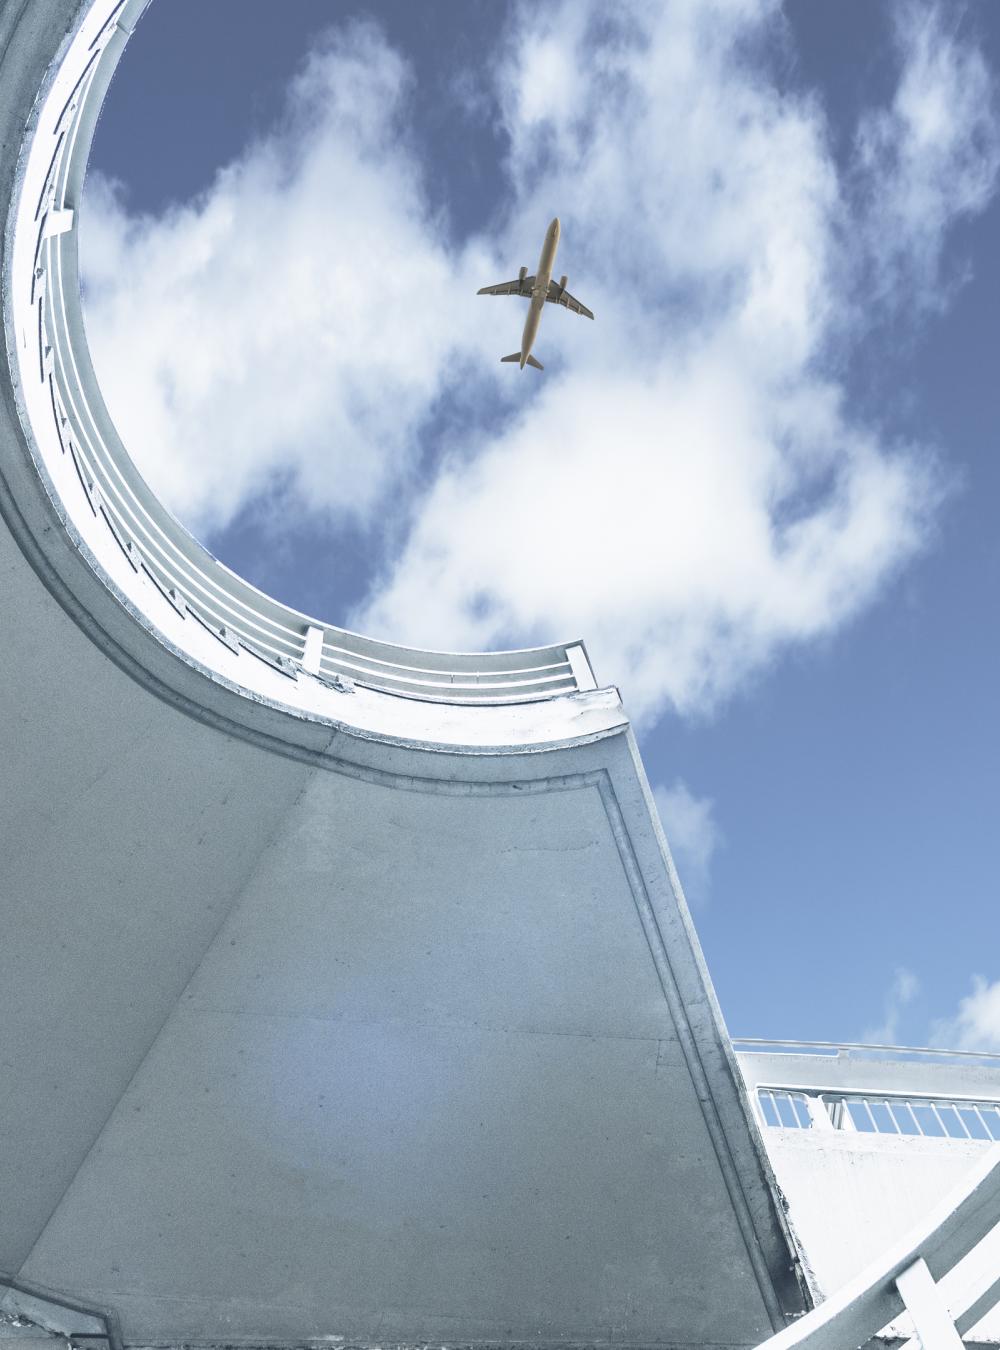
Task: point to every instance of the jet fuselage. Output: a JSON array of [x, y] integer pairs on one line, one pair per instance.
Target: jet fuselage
[[540, 289]]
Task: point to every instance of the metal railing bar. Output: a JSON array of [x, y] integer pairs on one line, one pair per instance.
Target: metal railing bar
[[889, 1113], [982, 1100], [449, 681], [739, 1041], [563, 666], [484, 700]]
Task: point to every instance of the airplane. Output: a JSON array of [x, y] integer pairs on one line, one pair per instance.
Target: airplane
[[538, 289]]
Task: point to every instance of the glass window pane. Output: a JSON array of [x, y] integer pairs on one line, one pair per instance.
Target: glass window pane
[[785, 1113], [928, 1122], [802, 1113], [903, 1117], [861, 1117], [991, 1119], [953, 1127], [767, 1108], [973, 1123], [883, 1120]]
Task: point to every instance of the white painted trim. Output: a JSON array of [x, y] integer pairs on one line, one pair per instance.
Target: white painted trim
[[580, 665], [935, 1329], [312, 655]]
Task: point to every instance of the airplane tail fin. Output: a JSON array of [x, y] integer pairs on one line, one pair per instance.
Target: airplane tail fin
[[514, 356], [532, 362]]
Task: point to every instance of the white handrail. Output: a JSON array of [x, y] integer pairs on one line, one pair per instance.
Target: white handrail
[[905, 1278]]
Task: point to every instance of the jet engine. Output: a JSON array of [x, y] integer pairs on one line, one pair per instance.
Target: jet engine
[[562, 283], [522, 274]]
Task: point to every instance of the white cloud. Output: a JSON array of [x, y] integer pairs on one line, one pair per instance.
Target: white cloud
[[686, 485], [284, 332], [692, 833], [927, 160], [691, 490], [976, 1025], [901, 992]]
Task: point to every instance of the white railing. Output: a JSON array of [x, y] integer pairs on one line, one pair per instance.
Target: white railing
[[951, 1246], [880, 1113], [175, 575]]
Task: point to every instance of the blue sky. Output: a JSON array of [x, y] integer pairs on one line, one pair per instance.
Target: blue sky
[[763, 485]]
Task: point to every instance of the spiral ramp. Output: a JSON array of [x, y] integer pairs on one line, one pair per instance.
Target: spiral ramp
[[347, 992]]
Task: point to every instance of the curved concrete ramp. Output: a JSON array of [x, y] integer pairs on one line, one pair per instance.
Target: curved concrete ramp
[[293, 1052], [325, 1012]]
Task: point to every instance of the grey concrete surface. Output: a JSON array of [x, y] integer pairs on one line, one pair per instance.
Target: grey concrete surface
[[311, 1033], [126, 831], [441, 1097]]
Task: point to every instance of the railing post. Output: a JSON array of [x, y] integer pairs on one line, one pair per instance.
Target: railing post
[[579, 664], [840, 1116], [58, 222], [925, 1305], [818, 1113], [312, 656]]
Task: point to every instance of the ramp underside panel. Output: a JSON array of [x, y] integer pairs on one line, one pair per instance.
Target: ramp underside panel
[[126, 832], [425, 1084]]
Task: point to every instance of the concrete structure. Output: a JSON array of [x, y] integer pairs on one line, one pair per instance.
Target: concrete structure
[[346, 991], [884, 1157], [923, 1290]]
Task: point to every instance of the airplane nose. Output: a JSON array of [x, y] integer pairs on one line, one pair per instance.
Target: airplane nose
[[555, 226]]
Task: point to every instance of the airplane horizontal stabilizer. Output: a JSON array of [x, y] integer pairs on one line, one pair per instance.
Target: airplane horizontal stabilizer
[[516, 356]]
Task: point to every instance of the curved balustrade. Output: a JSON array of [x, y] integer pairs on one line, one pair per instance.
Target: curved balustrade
[[94, 482], [902, 1114], [907, 1279]]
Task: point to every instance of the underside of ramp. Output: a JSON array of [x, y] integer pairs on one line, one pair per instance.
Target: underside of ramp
[[294, 1051]]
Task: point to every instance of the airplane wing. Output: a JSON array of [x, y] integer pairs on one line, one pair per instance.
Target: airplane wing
[[558, 296], [515, 287]]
